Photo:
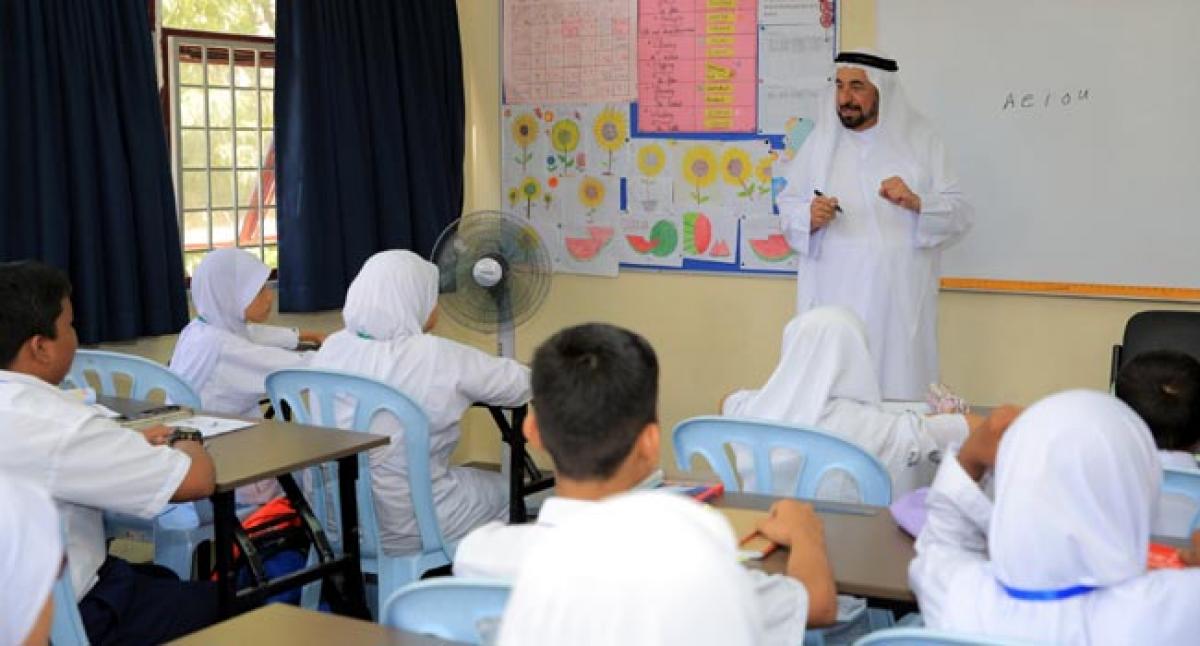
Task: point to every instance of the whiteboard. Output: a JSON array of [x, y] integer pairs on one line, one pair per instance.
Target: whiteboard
[[1073, 126]]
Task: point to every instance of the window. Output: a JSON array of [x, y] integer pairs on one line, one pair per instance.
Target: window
[[219, 110]]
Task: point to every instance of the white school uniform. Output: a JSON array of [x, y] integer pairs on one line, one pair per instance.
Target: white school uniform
[[86, 462], [31, 552], [1076, 479], [386, 307], [497, 551], [1173, 513], [877, 258], [224, 359], [640, 568], [826, 380]]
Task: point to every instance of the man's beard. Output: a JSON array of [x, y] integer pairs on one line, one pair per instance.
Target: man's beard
[[855, 120]]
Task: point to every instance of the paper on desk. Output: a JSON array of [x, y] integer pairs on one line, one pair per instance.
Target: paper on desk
[[212, 426]]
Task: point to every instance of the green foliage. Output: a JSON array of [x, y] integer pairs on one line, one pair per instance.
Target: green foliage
[[248, 17]]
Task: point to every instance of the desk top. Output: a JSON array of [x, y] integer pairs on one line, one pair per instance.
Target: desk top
[[283, 624], [869, 553], [270, 448]]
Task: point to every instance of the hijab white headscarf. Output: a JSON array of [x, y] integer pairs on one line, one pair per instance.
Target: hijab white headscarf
[[31, 553], [223, 285], [901, 130], [392, 297], [824, 357], [640, 568], [1077, 476]]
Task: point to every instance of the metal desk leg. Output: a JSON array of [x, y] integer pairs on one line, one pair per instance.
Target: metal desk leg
[[224, 518], [349, 585]]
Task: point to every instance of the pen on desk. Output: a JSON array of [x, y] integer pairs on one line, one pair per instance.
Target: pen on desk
[[820, 194]]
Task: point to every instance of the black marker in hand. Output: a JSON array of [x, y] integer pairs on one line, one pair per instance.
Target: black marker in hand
[[835, 206]]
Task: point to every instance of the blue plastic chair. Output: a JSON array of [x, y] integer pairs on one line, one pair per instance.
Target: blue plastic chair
[[145, 376], [925, 636], [1184, 483], [174, 545], [369, 398], [66, 628], [450, 608], [823, 453]]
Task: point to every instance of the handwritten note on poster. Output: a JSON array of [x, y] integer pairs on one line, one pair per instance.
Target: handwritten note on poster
[[696, 65], [560, 51]]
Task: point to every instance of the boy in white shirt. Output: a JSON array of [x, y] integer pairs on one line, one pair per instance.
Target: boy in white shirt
[[595, 394], [89, 464], [1163, 387]]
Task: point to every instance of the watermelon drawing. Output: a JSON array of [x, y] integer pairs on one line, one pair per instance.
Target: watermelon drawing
[[664, 238], [697, 233], [773, 249], [720, 250], [585, 249]]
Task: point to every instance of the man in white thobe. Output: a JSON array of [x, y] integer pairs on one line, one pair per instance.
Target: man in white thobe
[[869, 205]]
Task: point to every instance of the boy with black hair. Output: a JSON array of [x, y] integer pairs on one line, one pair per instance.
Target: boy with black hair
[[595, 410], [89, 464], [1163, 388]]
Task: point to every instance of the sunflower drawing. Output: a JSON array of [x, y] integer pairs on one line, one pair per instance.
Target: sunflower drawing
[[564, 137], [591, 193], [651, 160], [610, 131], [764, 172], [530, 189], [736, 169], [700, 170], [524, 133]]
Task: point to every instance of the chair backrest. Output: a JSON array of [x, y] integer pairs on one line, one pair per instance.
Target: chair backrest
[[145, 376], [1184, 483], [368, 397], [925, 636], [67, 627], [451, 608], [1158, 330], [822, 453]]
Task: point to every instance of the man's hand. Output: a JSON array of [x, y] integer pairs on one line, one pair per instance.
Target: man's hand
[[312, 336], [790, 522], [821, 211], [1191, 555], [157, 435], [978, 453], [894, 190]]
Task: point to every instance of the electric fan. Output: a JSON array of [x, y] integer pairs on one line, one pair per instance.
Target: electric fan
[[494, 273]]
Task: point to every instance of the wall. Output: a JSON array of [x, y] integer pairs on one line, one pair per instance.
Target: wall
[[717, 333]]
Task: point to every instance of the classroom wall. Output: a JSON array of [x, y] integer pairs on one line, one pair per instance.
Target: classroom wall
[[717, 333]]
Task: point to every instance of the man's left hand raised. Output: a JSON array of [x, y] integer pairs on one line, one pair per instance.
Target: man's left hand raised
[[894, 190]]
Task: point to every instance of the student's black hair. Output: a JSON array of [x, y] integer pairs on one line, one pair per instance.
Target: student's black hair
[[1163, 387], [595, 388], [31, 296]]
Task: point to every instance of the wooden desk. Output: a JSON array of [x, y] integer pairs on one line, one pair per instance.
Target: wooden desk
[[869, 553], [274, 449], [284, 624]]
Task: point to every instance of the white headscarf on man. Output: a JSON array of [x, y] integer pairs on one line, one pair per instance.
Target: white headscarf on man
[[223, 285], [31, 553], [641, 568]]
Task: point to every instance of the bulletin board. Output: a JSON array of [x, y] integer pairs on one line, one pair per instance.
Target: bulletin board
[[650, 134]]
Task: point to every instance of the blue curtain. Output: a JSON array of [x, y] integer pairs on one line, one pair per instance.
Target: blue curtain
[[369, 119], [85, 184]]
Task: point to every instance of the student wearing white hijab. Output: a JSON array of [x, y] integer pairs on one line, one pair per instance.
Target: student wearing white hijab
[[826, 380], [31, 553], [222, 353], [650, 568], [869, 204], [1060, 556], [390, 307]]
